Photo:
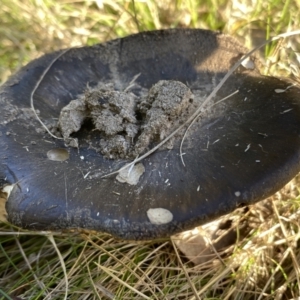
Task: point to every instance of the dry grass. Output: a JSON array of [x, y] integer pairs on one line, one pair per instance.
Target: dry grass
[[261, 264]]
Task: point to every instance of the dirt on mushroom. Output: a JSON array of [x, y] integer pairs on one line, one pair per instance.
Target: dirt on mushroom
[[128, 124]]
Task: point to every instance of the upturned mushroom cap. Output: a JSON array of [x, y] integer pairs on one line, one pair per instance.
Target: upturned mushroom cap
[[238, 152]]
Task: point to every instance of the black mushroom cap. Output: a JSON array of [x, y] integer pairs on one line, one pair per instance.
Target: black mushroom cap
[[243, 151]]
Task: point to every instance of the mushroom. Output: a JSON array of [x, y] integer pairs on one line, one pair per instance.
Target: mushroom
[[238, 151]]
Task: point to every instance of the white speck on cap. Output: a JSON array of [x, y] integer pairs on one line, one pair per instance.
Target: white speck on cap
[[159, 216], [131, 175], [237, 193], [248, 63], [58, 154]]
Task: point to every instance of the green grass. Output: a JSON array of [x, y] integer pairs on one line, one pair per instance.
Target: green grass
[[30, 28], [263, 264]]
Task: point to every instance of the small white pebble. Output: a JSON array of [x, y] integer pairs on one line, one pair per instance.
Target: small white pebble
[[58, 154], [278, 91], [82, 157], [237, 193], [159, 216], [131, 175]]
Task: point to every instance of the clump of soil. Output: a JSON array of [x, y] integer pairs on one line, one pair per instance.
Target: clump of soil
[[127, 124]]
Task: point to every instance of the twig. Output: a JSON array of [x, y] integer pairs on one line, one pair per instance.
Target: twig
[[185, 272], [40, 233], [285, 234], [196, 117], [39, 283], [278, 267], [135, 17], [112, 275], [38, 84], [132, 82], [61, 259]]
